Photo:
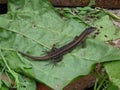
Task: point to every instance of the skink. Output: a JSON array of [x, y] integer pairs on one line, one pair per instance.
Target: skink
[[56, 54]]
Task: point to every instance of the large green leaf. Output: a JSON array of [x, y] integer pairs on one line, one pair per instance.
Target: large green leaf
[[33, 26]]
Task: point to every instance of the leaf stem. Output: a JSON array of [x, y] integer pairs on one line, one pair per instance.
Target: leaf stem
[[8, 49]]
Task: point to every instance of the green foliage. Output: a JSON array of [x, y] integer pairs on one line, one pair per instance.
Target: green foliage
[[86, 15], [30, 25], [113, 70]]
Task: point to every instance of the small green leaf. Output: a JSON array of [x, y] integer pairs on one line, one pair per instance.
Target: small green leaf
[[113, 70]]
